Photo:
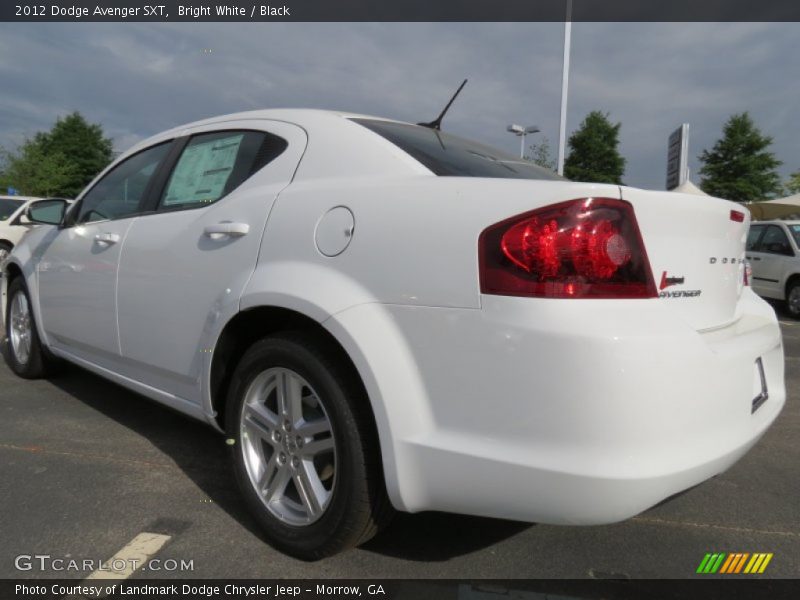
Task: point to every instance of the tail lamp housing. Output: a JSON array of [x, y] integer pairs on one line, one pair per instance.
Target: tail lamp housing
[[583, 248]]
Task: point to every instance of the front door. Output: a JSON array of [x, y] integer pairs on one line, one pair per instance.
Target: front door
[[78, 270], [770, 258]]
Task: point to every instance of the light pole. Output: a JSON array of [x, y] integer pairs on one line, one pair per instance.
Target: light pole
[[562, 130], [521, 132]]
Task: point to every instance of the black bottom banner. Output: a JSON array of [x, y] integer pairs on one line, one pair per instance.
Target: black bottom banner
[[398, 589]]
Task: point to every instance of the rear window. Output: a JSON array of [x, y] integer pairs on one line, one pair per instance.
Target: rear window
[[8, 207], [448, 155]]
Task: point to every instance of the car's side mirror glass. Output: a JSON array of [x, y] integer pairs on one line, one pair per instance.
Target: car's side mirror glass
[[47, 212]]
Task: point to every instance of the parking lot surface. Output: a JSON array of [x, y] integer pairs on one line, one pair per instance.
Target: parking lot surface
[[88, 466]]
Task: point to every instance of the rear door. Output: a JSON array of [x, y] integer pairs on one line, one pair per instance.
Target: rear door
[[186, 263]]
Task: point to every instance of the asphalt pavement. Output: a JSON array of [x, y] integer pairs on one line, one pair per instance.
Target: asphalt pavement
[[87, 467]]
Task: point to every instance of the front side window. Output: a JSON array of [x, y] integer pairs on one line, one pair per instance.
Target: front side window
[[214, 164], [775, 242], [120, 192], [752, 237], [8, 207]]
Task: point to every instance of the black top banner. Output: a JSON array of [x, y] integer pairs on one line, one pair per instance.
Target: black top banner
[[401, 10]]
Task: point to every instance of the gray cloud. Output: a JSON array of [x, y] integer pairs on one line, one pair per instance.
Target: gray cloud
[[137, 79]]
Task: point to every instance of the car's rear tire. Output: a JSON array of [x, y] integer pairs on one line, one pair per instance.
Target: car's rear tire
[[793, 299], [304, 449], [24, 353]]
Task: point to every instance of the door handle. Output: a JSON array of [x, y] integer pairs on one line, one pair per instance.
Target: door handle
[[106, 238], [226, 228], [756, 258]]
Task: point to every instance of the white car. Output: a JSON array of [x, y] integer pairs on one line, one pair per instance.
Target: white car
[[773, 249], [381, 315], [13, 224]]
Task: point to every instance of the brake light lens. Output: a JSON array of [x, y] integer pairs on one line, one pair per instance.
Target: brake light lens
[[737, 216], [584, 248]]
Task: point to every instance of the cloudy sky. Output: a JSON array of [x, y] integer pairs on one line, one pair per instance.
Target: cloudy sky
[[137, 79]]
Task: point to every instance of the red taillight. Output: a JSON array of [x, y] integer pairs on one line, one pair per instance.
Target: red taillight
[[737, 216], [586, 248]]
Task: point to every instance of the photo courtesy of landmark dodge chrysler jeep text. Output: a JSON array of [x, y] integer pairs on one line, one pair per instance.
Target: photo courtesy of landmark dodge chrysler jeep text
[[383, 316]]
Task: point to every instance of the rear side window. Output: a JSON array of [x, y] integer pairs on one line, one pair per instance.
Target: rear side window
[[9, 207], [449, 155], [214, 164]]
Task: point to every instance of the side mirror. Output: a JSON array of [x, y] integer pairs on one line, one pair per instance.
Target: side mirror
[[47, 212]]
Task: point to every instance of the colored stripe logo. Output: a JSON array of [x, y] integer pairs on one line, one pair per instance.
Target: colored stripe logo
[[734, 563]]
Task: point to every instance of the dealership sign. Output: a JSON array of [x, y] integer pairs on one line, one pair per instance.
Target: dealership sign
[[678, 157]]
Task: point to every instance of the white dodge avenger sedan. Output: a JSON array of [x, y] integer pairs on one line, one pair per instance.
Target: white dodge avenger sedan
[[382, 316]]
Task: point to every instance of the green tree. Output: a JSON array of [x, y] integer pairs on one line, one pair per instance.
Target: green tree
[[83, 144], [739, 166], [34, 172], [593, 154], [540, 154], [793, 185]]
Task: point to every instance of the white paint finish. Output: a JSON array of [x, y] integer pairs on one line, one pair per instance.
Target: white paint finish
[[77, 288], [133, 555], [574, 412], [335, 231], [682, 234]]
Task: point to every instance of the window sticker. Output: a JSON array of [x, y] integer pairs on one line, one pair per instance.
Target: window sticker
[[202, 171]]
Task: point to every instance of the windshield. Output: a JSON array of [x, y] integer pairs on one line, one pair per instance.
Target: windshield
[[449, 155], [8, 207]]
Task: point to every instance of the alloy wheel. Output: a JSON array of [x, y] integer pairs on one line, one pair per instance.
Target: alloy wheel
[[288, 446], [20, 327]]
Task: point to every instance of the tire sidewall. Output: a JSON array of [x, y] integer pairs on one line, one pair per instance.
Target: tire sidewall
[[309, 541], [33, 367], [6, 246], [792, 313]]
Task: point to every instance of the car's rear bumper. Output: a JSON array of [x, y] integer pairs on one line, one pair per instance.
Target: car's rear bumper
[[567, 411]]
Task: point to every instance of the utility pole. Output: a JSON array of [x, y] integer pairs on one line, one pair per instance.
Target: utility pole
[[562, 131]]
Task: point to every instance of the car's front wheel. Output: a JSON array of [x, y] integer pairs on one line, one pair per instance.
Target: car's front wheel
[[304, 448], [24, 353]]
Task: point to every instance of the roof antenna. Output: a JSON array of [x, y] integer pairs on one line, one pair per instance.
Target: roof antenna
[[437, 123]]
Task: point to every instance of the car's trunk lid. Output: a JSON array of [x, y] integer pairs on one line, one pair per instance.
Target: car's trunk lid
[[696, 250]]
